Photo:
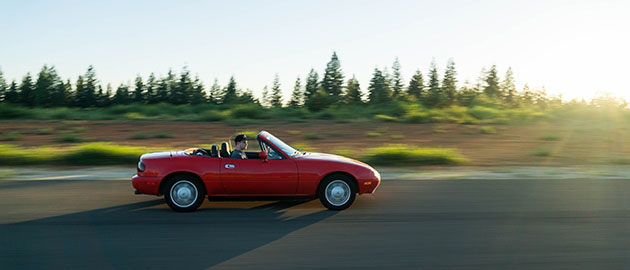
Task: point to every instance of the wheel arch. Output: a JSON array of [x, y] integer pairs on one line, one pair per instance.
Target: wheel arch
[[166, 178]]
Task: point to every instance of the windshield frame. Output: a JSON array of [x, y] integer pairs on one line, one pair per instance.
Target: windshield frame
[[278, 144]]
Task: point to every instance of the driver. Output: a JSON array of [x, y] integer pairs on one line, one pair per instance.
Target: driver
[[240, 142]]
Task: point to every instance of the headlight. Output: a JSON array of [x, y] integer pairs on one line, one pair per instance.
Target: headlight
[[140, 166]]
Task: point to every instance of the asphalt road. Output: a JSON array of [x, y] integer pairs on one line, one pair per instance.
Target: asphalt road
[[423, 224]]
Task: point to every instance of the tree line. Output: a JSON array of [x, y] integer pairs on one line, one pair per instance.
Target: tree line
[[48, 89]]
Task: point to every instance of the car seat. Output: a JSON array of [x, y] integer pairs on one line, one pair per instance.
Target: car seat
[[214, 151], [226, 152]]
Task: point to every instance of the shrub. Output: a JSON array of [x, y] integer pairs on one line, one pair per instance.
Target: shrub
[[439, 131], [249, 111], [44, 131], [417, 117], [373, 134], [101, 154], [482, 113], [487, 130], [404, 155], [311, 136], [211, 116], [398, 136], [10, 111], [136, 116], [543, 152], [163, 135], [11, 136], [550, 138], [139, 136]]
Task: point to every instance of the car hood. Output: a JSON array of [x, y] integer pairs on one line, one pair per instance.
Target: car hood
[[329, 157]]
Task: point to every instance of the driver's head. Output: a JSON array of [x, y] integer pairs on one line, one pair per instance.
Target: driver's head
[[240, 141]]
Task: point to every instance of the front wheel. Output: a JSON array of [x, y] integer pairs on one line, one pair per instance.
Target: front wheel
[[184, 194], [337, 192]]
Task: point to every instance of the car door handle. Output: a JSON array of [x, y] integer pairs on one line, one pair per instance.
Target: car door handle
[[229, 166]]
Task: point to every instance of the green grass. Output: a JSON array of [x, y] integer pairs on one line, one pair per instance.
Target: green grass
[[68, 138], [487, 130], [311, 136], [139, 136], [11, 136], [439, 131], [405, 155], [385, 118], [83, 154], [550, 138], [294, 132], [543, 152], [163, 135], [304, 146], [397, 136], [373, 134]]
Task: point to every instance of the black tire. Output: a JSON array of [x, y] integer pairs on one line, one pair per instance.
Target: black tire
[[338, 184], [188, 191]]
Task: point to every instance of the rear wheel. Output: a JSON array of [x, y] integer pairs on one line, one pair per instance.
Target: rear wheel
[[337, 192], [184, 194]]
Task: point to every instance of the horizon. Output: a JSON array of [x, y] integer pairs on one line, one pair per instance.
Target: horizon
[[574, 49]]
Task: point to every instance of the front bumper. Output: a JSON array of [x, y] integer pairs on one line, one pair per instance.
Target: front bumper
[[146, 184]]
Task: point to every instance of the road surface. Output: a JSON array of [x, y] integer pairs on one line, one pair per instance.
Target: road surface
[[407, 224]]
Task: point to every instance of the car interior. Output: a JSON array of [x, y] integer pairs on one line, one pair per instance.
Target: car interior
[[225, 151]]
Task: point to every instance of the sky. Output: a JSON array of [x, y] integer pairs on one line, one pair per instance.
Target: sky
[[577, 49]]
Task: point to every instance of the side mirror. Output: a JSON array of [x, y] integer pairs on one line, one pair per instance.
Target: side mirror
[[263, 155]]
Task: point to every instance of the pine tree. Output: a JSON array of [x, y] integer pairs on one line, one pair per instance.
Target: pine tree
[[333, 78], [122, 96], [79, 92], [198, 94], [230, 96], [353, 92], [180, 93], [379, 91], [27, 91], [508, 87], [435, 96], [109, 95], [276, 93], [61, 94], [3, 87], [312, 85], [467, 94], [416, 86], [396, 80], [13, 94], [162, 92], [151, 89], [138, 91], [44, 87], [216, 95], [90, 87], [492, 83], [297, 96], [449, 83], [265, 99]]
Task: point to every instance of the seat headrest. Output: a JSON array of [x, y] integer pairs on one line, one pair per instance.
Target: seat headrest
[[226, 152], [214, 151]]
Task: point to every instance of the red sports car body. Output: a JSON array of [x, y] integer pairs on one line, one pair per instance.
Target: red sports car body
[[185, 177]]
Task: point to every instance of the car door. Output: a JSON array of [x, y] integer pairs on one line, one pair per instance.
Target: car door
[[259, 177]]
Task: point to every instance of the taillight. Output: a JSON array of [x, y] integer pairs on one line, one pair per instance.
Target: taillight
[[140, 166]]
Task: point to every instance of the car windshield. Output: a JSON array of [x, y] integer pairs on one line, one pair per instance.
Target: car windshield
[[287, 149]]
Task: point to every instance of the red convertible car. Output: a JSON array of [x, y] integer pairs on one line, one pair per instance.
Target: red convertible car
[[186, 177]]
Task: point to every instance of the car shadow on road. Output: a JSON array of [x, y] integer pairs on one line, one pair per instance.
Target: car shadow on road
[[140, 235]]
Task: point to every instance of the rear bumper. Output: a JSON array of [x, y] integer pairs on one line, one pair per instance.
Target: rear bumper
[[146, 184]]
